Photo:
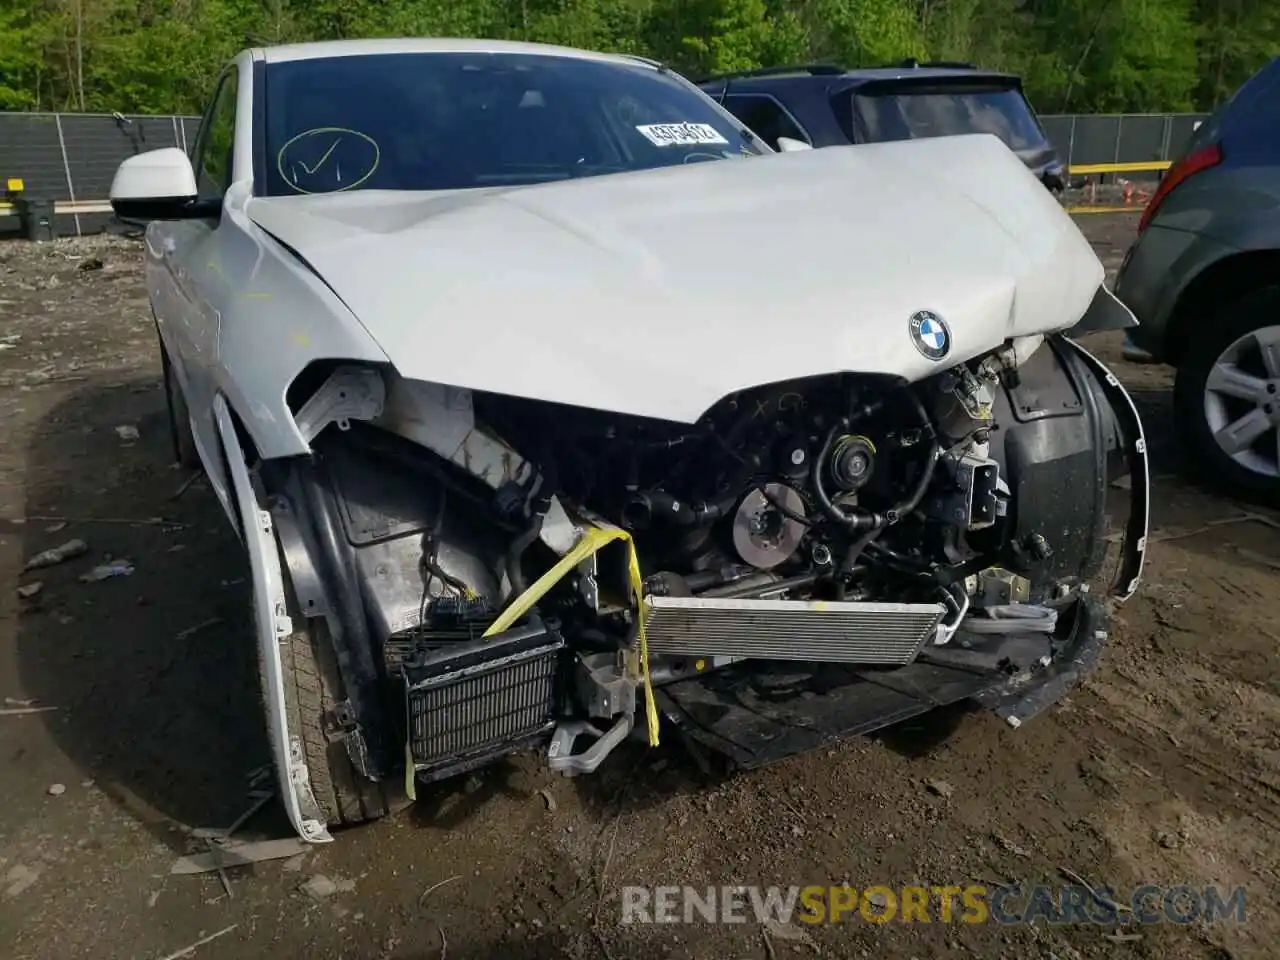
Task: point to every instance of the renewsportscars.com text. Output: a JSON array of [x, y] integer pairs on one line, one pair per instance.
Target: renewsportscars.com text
[[973, 903]]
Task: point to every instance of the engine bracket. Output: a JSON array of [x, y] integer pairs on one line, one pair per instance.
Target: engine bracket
[[604, 689], [972, 500]]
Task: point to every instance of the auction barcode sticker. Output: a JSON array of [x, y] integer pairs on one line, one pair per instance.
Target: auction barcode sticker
[[681, 134]]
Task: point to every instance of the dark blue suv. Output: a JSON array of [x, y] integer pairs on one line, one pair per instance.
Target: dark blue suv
[[826, 105]]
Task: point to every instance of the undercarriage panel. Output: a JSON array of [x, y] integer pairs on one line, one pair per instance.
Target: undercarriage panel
[[759, 713]]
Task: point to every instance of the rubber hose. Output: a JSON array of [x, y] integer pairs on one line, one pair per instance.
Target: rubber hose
[[900, 510], [515, 553], [857, 547]]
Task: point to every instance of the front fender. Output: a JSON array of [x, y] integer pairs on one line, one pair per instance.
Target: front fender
[[277, 318]]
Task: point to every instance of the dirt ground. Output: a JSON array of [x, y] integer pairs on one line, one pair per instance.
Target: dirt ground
[[1164, 767]]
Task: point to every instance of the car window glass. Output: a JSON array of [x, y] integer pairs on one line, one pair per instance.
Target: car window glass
[[447, 121], [1259, 97], [766, 116], [916, 115], [213, 159]]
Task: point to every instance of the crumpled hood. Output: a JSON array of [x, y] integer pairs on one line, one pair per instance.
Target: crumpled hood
[[658, 293]]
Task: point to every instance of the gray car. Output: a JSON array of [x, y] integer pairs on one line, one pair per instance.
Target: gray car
[[1203, 279]]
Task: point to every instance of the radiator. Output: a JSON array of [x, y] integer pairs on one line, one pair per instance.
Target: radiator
[[480, 699], [809, 630]]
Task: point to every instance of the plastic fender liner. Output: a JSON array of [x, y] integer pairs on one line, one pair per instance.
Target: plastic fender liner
[[1134, 551], [272, 622], [1106, 312], [1051, 447], [309, 508], [1066, 426]]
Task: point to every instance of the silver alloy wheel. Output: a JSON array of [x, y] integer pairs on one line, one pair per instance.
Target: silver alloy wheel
[[1242, 401]]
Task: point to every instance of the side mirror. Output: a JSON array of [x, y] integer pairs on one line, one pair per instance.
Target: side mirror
[[157, 185], [789, 145], [1055, 178]]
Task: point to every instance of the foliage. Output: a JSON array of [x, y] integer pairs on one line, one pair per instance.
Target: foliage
[[1079, 55]]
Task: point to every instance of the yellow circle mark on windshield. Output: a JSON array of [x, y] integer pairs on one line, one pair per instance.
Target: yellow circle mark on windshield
[[326, 159]]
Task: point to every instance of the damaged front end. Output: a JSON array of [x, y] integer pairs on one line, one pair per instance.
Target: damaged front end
[[809, 560]]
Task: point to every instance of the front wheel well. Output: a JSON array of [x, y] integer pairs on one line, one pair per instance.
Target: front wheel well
[[1227, 278]]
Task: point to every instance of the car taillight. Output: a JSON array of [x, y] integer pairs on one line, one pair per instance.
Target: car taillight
[[1188, 166]]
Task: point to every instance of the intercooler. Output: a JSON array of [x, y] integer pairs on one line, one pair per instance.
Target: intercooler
[[818, 631], [469, 702]]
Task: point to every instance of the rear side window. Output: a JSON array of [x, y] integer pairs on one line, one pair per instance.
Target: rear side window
[[940, 112], [766, 116]]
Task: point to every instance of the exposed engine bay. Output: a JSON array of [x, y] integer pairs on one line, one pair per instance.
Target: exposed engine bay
[[802, 540], [801, 490]]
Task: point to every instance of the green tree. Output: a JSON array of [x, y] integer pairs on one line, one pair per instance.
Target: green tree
[[861, 33], [21, 57], [710, 36], [1078, 55], [1235, 37]]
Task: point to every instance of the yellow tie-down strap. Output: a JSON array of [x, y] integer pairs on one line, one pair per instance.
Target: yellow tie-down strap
[[592, 541]]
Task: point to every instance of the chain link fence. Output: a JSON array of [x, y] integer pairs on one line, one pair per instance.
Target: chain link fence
[[1120, 137], [71, 157]]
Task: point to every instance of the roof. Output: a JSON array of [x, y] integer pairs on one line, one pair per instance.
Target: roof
[[357, 48], [823, 73], [899, 73]]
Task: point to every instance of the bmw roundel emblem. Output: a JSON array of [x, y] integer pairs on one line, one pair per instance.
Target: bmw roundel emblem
[[930, 334]]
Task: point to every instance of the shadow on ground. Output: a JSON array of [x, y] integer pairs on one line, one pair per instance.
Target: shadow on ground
[[553, 945], [153, 671]]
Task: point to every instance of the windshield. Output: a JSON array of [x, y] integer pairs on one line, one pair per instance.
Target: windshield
[[941, 113], [447, 121]]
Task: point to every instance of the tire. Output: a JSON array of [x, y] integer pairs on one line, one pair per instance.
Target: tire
[[184, 444], [1231, 336], [312, 685]]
